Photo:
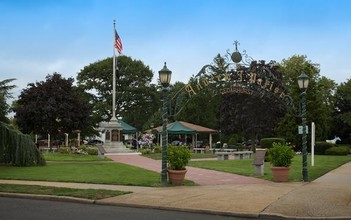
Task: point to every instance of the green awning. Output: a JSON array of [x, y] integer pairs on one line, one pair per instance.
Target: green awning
[[127, 129], [177, 128]]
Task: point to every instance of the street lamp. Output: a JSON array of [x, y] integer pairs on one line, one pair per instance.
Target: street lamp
[[303, 81], [165, 77]]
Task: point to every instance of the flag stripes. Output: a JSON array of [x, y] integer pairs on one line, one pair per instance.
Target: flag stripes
[[118, 43]]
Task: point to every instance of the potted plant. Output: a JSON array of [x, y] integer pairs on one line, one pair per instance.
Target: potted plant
[[280, 156], [177, 158]]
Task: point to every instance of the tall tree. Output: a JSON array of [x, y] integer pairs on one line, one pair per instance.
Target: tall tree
[[4, 95], [318, 99], [136, 98], [53, 106], [342, 113]]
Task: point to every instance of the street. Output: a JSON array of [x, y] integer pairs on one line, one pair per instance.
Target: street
[[31, 209]]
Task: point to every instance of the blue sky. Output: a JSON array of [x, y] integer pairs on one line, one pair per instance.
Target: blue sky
[[41, 37]]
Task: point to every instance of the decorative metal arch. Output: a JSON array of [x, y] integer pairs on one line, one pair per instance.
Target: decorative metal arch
[[246, 76]]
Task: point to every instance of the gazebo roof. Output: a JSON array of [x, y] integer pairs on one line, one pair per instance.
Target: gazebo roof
[[127, 129], [177, 128], [182, 127]]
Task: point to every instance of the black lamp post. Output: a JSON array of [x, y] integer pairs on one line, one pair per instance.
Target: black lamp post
[[303, 84], [165, 77]]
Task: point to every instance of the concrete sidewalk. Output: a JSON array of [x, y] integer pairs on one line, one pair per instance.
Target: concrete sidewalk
[[200, 176], [328, 197]]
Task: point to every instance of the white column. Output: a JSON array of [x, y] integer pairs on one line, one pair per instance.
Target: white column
[[66, 139], [210, 141], [78, 139], [48, 140]]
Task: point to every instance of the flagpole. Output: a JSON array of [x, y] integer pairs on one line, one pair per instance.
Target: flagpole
[[114, 76]]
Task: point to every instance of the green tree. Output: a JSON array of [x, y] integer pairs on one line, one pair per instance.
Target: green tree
[[319, 99], [136, 98], [202, 109], [4, 96], [54, 106], [342, 112]]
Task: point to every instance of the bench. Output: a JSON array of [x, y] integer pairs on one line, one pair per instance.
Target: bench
[[242, 154], [223, 155], [199, 150], [258, 162], [48, 149]]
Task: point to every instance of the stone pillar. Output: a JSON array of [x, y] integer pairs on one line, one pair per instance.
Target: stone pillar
[[66, 139], [78, 138]]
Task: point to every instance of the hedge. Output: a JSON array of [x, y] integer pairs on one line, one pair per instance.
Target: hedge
[[342, 151], [268, 142], [321, 147]]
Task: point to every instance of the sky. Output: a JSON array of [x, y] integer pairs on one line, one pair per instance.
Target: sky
[[41, 37]]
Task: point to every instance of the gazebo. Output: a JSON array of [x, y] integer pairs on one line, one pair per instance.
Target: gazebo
[[182, 127]]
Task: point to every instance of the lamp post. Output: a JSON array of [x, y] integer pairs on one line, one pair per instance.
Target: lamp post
[[165, 77], [303, 84]]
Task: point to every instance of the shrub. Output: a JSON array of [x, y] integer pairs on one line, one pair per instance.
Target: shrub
[[268, 142], [280, 155], [64, 150], [178, 157], [341, 151], [92, 150], [145, 151], [157, 149], [321, 147], [82, 148]]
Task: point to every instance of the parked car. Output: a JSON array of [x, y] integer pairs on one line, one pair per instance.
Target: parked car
[[95, 142]]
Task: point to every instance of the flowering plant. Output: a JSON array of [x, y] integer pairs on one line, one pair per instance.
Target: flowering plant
[[148, 139]]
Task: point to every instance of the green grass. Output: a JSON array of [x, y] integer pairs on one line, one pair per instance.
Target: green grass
[[84, 169], [93, 194], [72, 157], [84, 172], [323, 164]]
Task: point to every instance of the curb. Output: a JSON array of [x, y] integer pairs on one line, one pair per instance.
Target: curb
[[259, 215], [200, 211], [47, 197]]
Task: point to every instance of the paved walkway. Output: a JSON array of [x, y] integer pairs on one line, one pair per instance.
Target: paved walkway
[[199, 176], [328, 197]]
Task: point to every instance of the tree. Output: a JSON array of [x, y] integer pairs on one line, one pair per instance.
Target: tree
[[342, 112], [202, 109], [54, 106], [4, 95], [136, 98], [319, 93]]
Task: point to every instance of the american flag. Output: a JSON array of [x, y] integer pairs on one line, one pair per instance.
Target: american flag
[[118, 43]]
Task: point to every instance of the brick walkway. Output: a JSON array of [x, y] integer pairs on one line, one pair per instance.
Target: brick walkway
[[198, 175]]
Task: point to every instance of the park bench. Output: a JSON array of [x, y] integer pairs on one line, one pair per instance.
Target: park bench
[[258, 162], [48, 149], [199, 150], [223, 155], [242, 154]]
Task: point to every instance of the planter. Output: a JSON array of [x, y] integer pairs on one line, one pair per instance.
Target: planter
[[280, 174], [176, 177]]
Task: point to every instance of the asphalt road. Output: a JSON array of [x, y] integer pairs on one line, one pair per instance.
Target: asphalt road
[[31, 209]]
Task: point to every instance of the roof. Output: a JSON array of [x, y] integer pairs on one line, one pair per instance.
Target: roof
[[198, 128], [127, 129], [186, 125], [177, 128]]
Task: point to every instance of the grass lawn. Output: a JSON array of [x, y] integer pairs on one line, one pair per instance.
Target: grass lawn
[[72, 157], [93, 194], [84, 169], [323, 164]]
